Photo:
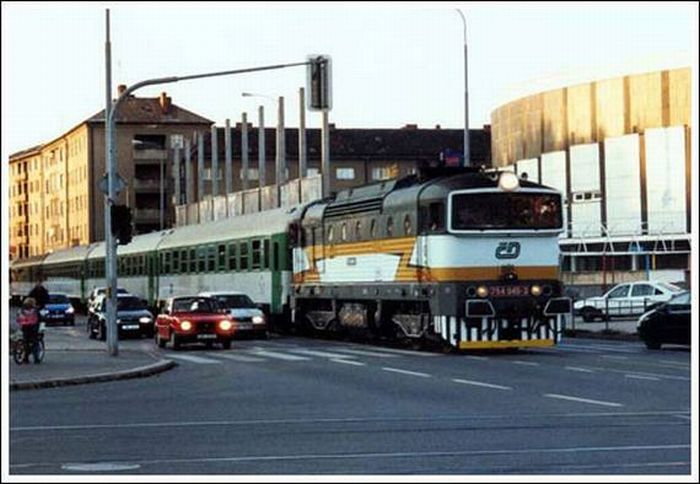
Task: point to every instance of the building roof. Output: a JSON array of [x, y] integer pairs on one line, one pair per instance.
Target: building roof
[[147, 110], [28, 151]]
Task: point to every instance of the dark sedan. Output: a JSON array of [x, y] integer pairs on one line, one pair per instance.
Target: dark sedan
[[58, 310], [133, 318], [668, 323]]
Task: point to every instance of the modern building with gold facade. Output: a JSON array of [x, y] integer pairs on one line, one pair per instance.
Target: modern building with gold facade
[[619, 149], [55, 199]]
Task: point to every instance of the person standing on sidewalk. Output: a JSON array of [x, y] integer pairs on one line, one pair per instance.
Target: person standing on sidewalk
[[28, 321]]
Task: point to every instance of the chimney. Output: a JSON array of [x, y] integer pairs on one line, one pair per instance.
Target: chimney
[[164, 103], [120, 89], [411, 126], [437, 126]]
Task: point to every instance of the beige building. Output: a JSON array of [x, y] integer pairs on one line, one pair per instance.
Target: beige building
[[55, 199], [587, 113]]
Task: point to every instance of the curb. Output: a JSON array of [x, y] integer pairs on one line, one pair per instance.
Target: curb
[[610, 335], [139, 372]]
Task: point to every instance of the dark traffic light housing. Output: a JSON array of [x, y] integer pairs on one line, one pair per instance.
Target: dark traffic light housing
[[318, 81], [121, 223]]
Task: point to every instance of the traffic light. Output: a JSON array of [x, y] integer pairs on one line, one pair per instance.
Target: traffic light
[[121, 223], [318, 83]]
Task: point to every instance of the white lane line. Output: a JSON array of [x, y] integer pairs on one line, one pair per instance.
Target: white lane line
[[684, 417], [643, 377], [480, 384], [241, 358], [579, 369], [402, 352], [348, 362], [365, 353], [525, 363], [478, 358], [675, 363], [277, 356], [321, 354], [406, 372], [615, 357], [195, 359], [583, 400]]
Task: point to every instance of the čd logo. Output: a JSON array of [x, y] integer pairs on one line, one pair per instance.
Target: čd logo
[[508, 250]]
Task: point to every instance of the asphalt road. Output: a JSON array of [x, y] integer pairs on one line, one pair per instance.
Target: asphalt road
[[289, 406]]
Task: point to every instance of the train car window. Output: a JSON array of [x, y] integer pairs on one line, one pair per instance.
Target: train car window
[[183, 261], [211, 258], [343, 232], [436, 217], [166, 265], [193, 261], [358, 230], [276, 256], [389, 226], [222, 258], [329, 234], [407, 226], [256, 249], [266, 254], [373, 229], [232, 266], [201, 259], [176, 261], [244, 256]]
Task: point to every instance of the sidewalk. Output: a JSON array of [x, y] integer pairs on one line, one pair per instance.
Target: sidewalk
[[73, 359]]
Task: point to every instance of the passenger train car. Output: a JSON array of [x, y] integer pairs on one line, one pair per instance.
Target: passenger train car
[[464, 257]]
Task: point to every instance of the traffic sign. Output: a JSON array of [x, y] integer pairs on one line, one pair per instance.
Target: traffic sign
[[119, 184]]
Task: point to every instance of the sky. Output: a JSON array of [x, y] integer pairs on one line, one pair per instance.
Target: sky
[[392, 63]]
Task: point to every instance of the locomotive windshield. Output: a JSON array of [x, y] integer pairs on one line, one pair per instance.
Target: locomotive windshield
[[498, 210]]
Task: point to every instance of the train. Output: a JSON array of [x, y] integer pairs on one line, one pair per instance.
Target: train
[[463, 257]]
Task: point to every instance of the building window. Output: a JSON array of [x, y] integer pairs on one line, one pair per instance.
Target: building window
[[382, 173], [345, 173]]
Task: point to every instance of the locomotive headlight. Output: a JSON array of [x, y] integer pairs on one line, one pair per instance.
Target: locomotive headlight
[[535, 290], [508, 181], [482, 291], [185, 326]]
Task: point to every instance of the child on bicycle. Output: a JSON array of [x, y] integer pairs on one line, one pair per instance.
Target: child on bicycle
[[28, 321]]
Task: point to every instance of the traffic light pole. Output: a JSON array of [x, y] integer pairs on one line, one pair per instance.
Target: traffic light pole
[[110, 150]]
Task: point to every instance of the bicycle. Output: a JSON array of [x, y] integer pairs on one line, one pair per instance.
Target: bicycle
[[20, 349]]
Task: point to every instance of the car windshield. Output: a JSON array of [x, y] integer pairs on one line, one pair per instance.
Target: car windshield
[[235, 301], [58, 299], [130, 304], [683, 298], [195, 305], [528, 211]]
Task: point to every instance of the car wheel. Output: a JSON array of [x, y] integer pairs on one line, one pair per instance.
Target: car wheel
[[652, 345], [174, 341], [589, 314]]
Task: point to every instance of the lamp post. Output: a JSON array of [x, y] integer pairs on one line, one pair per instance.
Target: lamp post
[[466, 93]]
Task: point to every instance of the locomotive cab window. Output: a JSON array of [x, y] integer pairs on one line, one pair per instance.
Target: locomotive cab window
[[497, 210]]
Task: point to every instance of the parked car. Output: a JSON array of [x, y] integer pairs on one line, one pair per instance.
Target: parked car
[[58, 310], [133, 318], [249, 319], [667, 323], [193, 319], [627, 299]]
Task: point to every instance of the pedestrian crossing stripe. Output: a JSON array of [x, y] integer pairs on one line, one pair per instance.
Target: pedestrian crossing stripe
[[195, 359]]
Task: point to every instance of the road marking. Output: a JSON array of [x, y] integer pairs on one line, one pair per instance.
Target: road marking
[[241, 358], [348, 362], [643, 377], [406, 372], [684, 417], [583, 400], [366, 353], [391, 455], [576, 368], [481, 384], [615, 357], [322, 354], [195, 359], [278, 356], [525, 363], [478, 358], [403, 352]]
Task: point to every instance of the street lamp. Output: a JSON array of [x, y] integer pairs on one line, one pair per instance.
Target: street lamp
[[466, 93]]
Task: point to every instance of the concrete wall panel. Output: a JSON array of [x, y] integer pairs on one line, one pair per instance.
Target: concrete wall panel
[[665, 166], [622, 185]]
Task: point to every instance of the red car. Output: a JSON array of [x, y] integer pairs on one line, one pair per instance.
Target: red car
[[193, 319]]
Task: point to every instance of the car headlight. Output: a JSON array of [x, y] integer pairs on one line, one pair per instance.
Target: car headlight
[[225, 325], [185, 326], [43, 312], [258, 319], [70, 310], [145, 319]]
